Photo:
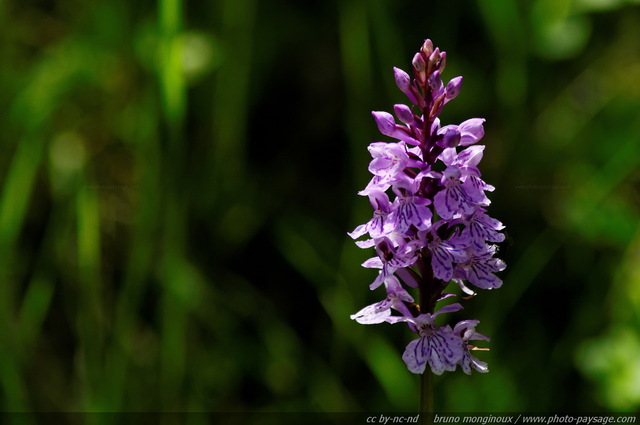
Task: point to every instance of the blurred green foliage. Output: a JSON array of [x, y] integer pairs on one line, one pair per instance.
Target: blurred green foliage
[[177, 179]]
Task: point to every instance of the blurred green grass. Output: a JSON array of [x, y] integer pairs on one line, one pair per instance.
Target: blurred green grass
[[177, 180]]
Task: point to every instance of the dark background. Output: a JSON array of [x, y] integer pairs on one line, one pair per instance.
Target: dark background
[[177, 180]]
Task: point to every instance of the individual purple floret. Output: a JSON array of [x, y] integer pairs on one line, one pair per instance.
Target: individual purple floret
[[438, 346], [429, 225], [466, 330], [380, 312]]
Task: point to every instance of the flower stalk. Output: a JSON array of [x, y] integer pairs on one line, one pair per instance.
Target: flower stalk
[[426, 396]]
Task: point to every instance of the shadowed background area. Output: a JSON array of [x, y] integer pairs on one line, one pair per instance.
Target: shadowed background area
[[177, 180]]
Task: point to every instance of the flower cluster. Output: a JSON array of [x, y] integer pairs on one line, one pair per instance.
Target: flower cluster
[[436, 229]]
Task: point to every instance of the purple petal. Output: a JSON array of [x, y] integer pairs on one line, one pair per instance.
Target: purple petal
[[378, 281], [490, 223], [377, 225], [451, 175], [419, 65], [427, 47], [401, 133], [497, 265], [474, 188], [377, 183], [443, 61], [435, 126], [374, 313], [444, 351], [446, 295], [380, 166], [387, 126], [450, 138], [470, 157], [441, 263], [468, 362], [407, 277], [435, 56], [380, 201], [478, 182], [408, 214], [479, 365], [448, 155], [476, 336], [389, 159], [453, 88], [459, 274], [415, 355], [396, 291], [385, 122], [452, 200], [481, 275], [373, 263], [461, 327], [396, 319], [471, 131], [404, 114], [466, 329], [402, 79], [443, 255], [366, 243], [482, 229], [448, 309], [435, 82], [358, 231]]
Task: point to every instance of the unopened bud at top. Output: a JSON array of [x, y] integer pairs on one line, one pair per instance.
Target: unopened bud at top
[[420, 68], [433, 60], [427, 48], [419, 65], [443, 61], [435, 82]]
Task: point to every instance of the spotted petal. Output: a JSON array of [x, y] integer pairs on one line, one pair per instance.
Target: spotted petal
[[451, 201], [443, 255], [442, 350], [374, 313]]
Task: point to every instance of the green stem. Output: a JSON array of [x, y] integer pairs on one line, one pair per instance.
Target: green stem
[[430, 290], [426, 397]]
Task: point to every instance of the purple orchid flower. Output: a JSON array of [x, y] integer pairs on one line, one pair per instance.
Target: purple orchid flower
[[466, 330], [397, 297], [438, 347], [430, 225]]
